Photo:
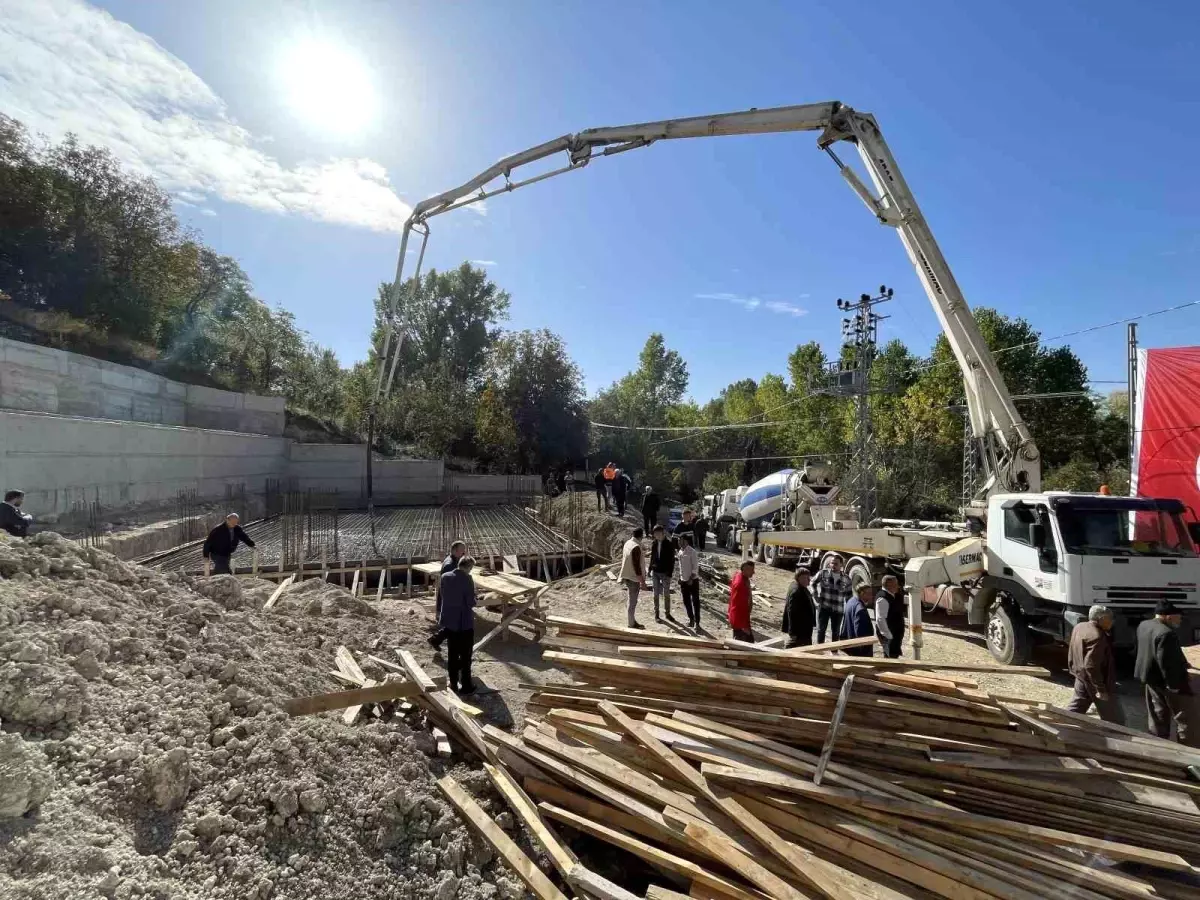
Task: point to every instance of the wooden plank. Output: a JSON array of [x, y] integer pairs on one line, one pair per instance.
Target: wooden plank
[[831, 738], [953, 818], [348, 664], [660, 859], [376, 693], [832, 646], [589, 883], [283, 588], [352, 713], [533, 877], [562, 857], [810, 869], [354, 584], [382, 583]]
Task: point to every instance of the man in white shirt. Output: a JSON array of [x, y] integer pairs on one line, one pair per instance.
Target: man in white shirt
[[689, 579], [633, 574]]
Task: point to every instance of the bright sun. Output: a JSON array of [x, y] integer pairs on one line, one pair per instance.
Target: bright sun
[[328, 86]]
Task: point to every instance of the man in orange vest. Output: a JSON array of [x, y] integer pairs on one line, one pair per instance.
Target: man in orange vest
[[610, 475]]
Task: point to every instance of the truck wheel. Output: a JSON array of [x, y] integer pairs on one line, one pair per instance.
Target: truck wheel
[[760, 553], [773, 556], [858, 573], [1008, 637]]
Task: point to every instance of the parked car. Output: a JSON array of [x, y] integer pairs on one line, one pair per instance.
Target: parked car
[[674, 517]]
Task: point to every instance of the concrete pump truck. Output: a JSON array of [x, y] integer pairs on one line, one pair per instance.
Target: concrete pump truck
[[1031, 561]]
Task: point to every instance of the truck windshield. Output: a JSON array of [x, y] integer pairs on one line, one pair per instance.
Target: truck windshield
[[1123, 530]]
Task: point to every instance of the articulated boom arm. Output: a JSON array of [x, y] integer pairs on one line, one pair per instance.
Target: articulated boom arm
[[1010, 458]]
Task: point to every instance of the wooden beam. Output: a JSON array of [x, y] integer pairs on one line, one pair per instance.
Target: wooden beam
[[280, 591], [377, 693], [832, 646], [533, 877], [562, 857], [588, 882], [354, 583], [831, 738]]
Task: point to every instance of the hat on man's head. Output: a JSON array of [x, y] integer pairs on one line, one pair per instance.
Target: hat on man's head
[[1166, 608]]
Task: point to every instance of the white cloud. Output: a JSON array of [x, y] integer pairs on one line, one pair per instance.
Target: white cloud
[[484, 262], [787, 309], [66, 66], [753, 303]]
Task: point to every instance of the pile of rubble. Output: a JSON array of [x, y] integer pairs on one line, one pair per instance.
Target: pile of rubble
[[145, 750]]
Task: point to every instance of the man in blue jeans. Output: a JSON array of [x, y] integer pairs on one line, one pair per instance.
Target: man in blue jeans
[[662, 567]]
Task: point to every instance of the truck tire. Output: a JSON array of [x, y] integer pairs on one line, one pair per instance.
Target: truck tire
[[859, 573], [759, 554], [1009, 639]]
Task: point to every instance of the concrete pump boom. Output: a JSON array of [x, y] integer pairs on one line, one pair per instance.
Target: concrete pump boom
[[1010, 459]]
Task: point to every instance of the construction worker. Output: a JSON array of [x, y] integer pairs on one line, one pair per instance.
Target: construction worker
[[1092, 660], [1163, 669], [457, 621], [799, 614], [12, 518], [889, 616], [601, 492], [610, 475], [222, 541], [856, 621], [739, 603], [633, 574], [832, 589], [450, 564], [650, 507]]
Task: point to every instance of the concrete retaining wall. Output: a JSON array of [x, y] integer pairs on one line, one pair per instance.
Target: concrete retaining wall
[[42, 379], [59, 461]]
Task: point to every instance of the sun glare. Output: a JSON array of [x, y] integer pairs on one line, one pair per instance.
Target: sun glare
[[328, 86]]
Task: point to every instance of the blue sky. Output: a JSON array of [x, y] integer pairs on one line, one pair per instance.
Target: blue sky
[[1050, 146]]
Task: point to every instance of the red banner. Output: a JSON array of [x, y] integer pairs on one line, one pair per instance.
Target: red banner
[[1166, 461]]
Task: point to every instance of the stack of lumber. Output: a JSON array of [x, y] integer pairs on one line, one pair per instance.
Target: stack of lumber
[[737, 772]]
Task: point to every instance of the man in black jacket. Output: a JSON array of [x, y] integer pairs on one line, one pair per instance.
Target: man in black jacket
[[889, 617], [662, 567], [222, 541], [1163, 670], [601, 491], [799, 614], [12, 519], [620, 490], [650, 507], [450, 564]]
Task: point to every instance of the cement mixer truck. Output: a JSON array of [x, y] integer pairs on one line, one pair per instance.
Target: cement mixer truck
[[803, 499]]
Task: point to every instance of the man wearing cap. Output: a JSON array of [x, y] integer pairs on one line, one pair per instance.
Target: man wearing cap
[[856, 623], [222, 541], [12, 519], [832, 588], [1162, 668], [1092, 661]]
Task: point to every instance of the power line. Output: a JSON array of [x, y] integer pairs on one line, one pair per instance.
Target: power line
[[763, 458]]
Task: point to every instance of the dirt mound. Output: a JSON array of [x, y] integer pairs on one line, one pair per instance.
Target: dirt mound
[[145, 751]]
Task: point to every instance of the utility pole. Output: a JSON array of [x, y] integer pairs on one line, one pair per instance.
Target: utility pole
[[851, 377], [1131, 389]]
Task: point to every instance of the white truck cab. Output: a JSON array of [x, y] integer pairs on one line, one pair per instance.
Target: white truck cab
[[1050, 556]]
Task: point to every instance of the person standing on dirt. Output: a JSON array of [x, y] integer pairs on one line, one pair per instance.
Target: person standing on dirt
[[856, 622], [739, 603], [689, 579], [222, 541], [12, 518], [832, 588], [610, 475], [889, 617], [1092, 660], [601, 493], [662, 567], [799, 614], [633, 574], [450, 564], [457, 620], [650, 507], [1163, 669], [620, 490]]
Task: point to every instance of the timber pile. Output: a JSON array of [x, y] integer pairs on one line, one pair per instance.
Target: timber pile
[[739, 772]]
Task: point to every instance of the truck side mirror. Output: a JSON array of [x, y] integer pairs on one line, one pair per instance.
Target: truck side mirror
[[1037, 535]]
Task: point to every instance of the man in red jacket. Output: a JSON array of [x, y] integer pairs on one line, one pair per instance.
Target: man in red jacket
[[739, 603]]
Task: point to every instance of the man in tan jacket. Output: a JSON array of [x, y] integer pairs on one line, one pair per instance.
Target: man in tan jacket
[[1092, 661]]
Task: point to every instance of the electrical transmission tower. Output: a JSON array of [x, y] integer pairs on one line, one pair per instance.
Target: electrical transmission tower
[[851, 377]]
